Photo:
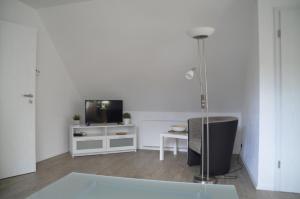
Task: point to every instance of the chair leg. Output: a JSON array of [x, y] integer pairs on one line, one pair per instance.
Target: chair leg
[[193, 158]]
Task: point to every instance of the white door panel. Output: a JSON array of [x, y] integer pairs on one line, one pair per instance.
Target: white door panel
[[17, 113], [290, 100]]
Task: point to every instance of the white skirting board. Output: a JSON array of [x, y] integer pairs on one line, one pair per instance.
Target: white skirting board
[[252, 178], [151, 124]]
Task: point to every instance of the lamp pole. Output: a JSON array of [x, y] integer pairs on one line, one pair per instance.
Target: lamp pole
[[201, 33]]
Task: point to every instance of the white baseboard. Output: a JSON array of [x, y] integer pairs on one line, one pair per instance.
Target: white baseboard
[[254, 183], [52, 156]]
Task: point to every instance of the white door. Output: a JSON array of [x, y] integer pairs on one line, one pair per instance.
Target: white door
[[290, 100], [17, 104]]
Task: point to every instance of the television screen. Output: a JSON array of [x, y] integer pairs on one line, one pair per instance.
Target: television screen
[[103, 111]]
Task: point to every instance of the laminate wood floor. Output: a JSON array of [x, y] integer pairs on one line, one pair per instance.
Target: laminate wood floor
[[142, 164]]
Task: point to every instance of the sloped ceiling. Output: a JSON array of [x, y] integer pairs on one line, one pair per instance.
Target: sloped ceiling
[[49, 3], [138, 50]]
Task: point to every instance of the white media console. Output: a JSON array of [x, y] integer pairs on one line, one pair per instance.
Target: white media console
[[101, 139]]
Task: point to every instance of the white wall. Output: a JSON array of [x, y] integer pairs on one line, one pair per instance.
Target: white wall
[[250, 113], [57, 99], [138, 50], [267, 135]]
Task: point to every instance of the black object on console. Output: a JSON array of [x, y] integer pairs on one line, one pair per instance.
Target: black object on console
[[103, 111]]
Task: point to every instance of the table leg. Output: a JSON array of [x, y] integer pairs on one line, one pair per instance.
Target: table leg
[[161, 151], [175, 146]]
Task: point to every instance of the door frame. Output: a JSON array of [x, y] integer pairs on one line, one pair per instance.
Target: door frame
[[278, 93], [278, 83]]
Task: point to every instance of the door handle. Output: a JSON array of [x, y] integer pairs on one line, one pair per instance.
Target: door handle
[[28, 95]]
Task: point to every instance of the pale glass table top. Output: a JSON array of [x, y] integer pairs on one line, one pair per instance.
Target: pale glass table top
[[87, 186]]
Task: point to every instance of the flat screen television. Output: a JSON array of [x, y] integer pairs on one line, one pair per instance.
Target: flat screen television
[[103, 111]]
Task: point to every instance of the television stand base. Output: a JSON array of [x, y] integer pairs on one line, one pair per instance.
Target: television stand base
[[102, 139]]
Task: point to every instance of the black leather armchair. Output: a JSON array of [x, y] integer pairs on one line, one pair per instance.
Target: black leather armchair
[[222, 132]]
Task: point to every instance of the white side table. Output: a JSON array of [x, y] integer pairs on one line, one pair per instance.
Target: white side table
[[176, 136]]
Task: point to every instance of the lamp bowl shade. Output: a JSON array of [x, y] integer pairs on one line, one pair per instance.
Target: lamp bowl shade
[[190, 74], [201, 32]]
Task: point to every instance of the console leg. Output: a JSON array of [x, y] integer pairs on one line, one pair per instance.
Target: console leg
[[175, 146], [161, 152]]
